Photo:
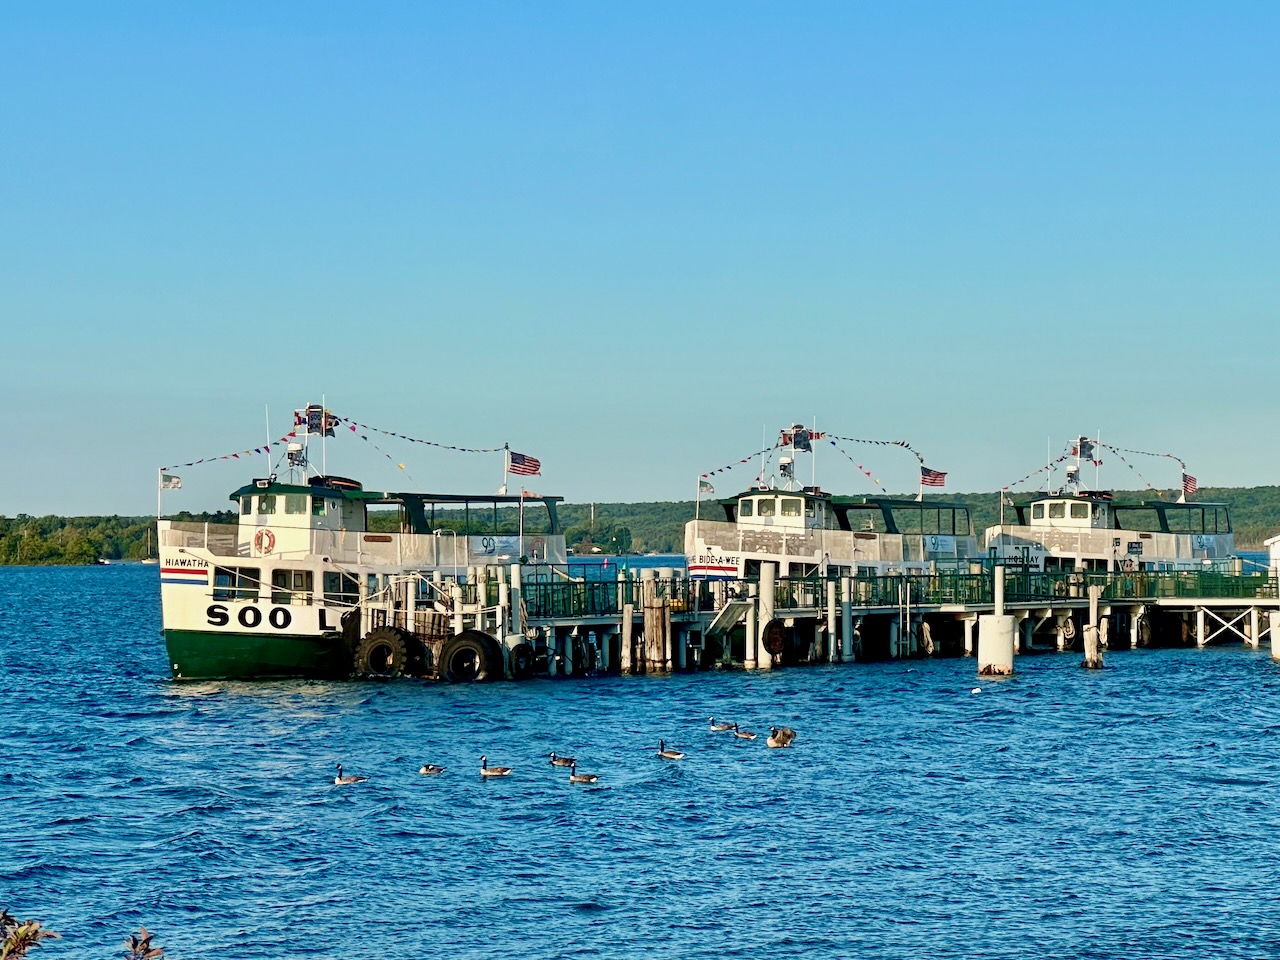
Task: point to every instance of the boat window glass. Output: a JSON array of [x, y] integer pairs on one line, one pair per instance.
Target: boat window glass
[[745, 508], [1037, 511], [236, 583], [291, 586], [811, 508], [317, 506], [267, 503], [246, 505], [768, 506], [340, 588], [1057, 510], [295, 503], [791, 506], [1079, 511]]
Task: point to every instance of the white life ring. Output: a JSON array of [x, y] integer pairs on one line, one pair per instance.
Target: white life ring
[[264, 541]]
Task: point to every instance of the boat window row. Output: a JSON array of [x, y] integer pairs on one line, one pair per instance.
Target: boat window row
[[293, 504], [775, 506], [1057, 510], [288, 586]]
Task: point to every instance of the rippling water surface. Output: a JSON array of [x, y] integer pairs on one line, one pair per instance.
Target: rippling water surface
[[1131, 813]]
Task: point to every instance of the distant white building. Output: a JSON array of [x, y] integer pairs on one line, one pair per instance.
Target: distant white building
[[1273, 545]]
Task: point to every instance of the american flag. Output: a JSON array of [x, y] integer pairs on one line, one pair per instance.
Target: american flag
[[933, 478], [1189, 485], [523, 465]]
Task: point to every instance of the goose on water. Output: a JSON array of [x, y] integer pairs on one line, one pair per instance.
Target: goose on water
[[780, 737], [743, 734], [559, 761], [341, 781], [719, 727], [488, 771], [430, 768], [666, 754], [576, 777]]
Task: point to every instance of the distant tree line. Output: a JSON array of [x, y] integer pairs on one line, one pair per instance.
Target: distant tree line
[[602, 528]]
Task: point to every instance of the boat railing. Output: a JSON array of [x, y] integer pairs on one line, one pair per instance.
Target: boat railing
[[220, 539]]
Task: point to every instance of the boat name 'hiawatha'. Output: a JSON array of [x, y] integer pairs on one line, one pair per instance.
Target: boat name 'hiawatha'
[[187, 562]]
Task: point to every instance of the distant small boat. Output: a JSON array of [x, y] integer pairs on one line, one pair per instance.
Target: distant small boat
[[150, 560]]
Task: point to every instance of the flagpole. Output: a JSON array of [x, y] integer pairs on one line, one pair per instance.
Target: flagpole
[[697, 511], [506, 466], [521, 549], [324, 433], [159, 491], [266, 410]]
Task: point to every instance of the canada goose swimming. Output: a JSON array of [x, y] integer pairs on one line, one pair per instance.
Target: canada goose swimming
[[779, 738], [719, 727], [558, 761], [666, 754], [576, 777], [488, 771], [341, 781], [743, 734], [429, 768]]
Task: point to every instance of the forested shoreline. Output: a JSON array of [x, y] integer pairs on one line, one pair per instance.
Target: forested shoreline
[[605, 528]]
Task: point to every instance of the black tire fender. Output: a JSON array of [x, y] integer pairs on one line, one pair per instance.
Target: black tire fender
[[522, 661], [471, 656], [384, 652]]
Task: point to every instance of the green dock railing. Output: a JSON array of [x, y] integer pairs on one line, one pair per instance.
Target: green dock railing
[[558, 597]]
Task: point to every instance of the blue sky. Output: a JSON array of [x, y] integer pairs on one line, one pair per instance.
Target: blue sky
[[628, 238]]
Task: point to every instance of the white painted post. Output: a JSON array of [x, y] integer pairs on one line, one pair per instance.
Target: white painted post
[[969, 622], [833, 651], [846, 619], [552, 646], [504, 603], [895, 637], [995, 645], [570, 643], [680, 638], [455, 601], [750, 658], [517, 608], [1092, 651], [1202, 635], [1273, 619], [768, 584], [1252, 639], [1135, 625], [628, 632]]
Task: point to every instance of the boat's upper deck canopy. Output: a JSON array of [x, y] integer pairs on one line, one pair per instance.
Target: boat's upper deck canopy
[[1097, 510], [812, 509], [336, 503]]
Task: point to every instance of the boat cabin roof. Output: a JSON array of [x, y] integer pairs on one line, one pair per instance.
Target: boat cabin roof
[[1099, 510], [894, 515], [340, 488]]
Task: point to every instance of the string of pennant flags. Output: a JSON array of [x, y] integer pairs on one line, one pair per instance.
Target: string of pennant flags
[[1085, 449], [315, 420], [801, 439]]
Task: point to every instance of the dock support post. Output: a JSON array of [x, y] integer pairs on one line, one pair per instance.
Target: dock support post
[[895, 638], [846, 619], [680, 639], [968, 622], [1252, 639], [1092, 647], [750, 660], [553, 644], [517, 606], [1202, 635], [768, 594], [833, 651], [1273, 618], [504, 603], [627, 639], [996, 633], [455, 601], [1135, 627]]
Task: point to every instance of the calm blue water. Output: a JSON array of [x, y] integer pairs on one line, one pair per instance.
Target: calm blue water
[[1129, 813]]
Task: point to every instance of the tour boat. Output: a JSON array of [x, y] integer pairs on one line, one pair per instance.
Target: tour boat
[[323, 578]]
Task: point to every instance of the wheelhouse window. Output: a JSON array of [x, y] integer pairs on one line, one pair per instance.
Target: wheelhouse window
[[267, 504], [1037, 511], [746, 508], [317, 506], [1080, 511], [246, 506], [340, 588], [768, 505], [236, 583], [791, 506], [1057, 510], [291, 586], [295, 503]]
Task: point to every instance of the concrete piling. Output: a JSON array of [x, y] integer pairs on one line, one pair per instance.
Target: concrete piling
[[996, 632], [1092, 645]]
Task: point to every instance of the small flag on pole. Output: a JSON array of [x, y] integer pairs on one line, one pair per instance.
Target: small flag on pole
[[933, 478], [704, 486], [169, 481], [1189, 485], [523, 465]]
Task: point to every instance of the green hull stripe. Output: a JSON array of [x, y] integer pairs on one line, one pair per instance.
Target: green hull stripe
[[210, 655]]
